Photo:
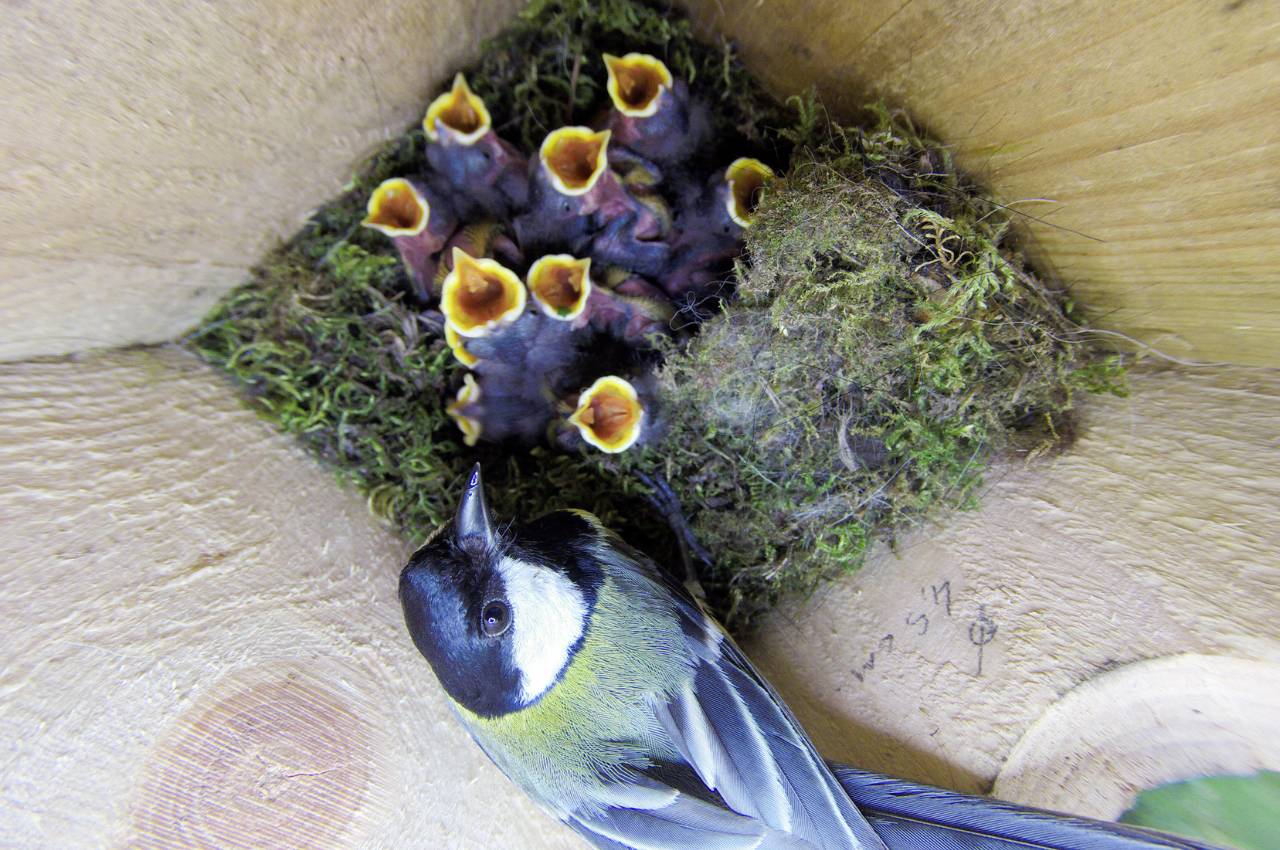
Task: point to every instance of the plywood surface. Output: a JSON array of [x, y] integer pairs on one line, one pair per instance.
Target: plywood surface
[[202, 642], [1153, 127], [1154, 536], [203, 646], [1144, 724], [150, 152]]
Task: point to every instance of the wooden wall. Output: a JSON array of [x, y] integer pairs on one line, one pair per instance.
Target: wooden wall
[[151, 152], [1143, 137], [204, 647], [204, 644]]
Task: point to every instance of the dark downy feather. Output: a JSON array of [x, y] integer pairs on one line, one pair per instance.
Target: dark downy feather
[[908, 816]]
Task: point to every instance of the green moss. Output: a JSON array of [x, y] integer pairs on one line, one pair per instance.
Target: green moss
[[884, 346], [886, 342], [545, 70], [326, 346]]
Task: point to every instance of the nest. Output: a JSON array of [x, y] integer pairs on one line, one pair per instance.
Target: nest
[[883, 344]]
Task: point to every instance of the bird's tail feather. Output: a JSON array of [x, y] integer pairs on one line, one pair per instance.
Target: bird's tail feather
[[907, 816]]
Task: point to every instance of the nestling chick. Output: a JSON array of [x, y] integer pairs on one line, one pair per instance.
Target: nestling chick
[[653, 113], [576, 201], [560, 368], [619, 243], [610, 415], [480, 295], [709, 231], [419, 220], [536, 351], [501, 409], [488, 175], [630, 309], [600, 688]]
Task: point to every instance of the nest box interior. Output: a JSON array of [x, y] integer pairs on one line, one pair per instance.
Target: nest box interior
[[207, 648]]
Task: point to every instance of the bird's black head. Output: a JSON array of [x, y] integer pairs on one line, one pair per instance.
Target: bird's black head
[[500, 615]]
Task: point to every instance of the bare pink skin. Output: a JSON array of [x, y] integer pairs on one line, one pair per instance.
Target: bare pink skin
[[669, 135], [631, 311], [488, 177], [420, 253]]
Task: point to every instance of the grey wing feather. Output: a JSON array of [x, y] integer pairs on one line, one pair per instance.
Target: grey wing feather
[[742, 775], [736, 733], [820, 812], [909, 816], [667, 819]]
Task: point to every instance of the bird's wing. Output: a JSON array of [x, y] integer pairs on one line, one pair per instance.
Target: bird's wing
[[746, 749], [734, 730], [908, 816], [641, 813]]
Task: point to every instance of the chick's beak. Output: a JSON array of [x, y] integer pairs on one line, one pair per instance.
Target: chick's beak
[[397, 208], [746, 178], [473, 530], [458, 346], [609, 415], [574, 158], [468, 394], [458, 112], [480, 295], [561, 285], [637, 82]]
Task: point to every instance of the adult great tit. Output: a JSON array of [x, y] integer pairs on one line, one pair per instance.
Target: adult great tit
[[600, 687]]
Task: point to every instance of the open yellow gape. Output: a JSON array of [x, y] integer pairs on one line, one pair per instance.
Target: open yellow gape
[[480, 295], [459, 112], [637, 82], [396, 208], [746, 178], [574, 158], [560, 285], [609, 415]]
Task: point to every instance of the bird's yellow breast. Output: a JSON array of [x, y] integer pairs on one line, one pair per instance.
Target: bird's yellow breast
[[596, 720]]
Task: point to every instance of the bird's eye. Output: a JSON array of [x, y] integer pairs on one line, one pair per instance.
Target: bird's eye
[[495, 618]]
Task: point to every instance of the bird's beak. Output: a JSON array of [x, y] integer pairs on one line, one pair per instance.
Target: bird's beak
[[636, 83], [458, 346], [397, 208], [746, 178], [561, 285], [609, 415], [574, 158], [459, 113], [468, 394], [472, 529], [480, 295]]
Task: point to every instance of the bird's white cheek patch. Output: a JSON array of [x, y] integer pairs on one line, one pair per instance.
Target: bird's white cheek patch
[[548, 615]]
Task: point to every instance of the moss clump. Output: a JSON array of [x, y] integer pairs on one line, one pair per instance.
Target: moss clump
[[884, 344], [328, 345], [545, 71]]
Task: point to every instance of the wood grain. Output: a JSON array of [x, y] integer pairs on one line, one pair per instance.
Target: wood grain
[[1145, 724], [150, 152], [1153, 536], [1143, 138], [203, 647]]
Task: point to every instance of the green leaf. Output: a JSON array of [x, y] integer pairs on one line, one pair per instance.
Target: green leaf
[[1236, 811]]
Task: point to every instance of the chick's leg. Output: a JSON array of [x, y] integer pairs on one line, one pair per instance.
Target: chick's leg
[[692, 553]]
